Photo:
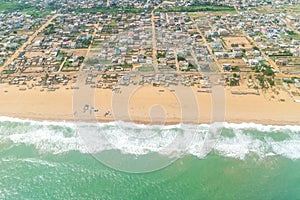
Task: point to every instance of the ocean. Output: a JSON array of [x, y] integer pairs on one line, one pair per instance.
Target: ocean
[[118, 160]]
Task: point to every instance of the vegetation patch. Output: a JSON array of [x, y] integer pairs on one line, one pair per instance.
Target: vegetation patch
[[199, 8], [145, 69]]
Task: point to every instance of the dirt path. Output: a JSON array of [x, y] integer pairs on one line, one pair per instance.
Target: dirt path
[[96, 26], [154, 47], [275, 66], [30, 39], [208, 47]]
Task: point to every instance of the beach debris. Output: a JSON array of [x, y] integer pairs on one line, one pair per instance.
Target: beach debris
[[86, 107], [107, 114]]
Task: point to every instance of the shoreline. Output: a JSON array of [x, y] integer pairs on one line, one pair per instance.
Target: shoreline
[[144, 122]]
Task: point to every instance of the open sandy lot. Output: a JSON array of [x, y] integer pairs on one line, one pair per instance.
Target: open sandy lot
[[241, 41]]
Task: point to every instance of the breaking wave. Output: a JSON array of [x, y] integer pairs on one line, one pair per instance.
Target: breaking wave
[[231, 140]]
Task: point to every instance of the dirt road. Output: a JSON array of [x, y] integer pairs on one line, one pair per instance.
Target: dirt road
[[30, 39]]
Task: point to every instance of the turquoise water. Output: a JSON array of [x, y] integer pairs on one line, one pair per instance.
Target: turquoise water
[[48, 160]]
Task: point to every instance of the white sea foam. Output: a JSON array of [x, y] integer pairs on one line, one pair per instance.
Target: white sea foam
[[262, 128], [43, 122], [138, 139]]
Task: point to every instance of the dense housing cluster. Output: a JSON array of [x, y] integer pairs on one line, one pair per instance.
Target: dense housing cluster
[[253, 49]]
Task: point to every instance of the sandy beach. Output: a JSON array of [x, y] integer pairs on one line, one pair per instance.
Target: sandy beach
[[147, 105]]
